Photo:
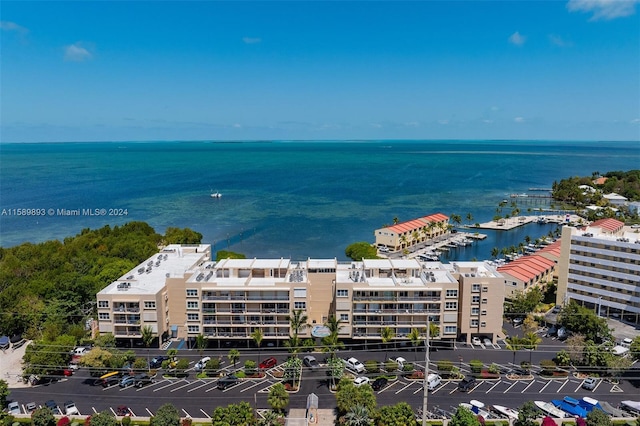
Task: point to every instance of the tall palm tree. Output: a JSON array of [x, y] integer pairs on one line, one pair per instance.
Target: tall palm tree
[[386, 334], [257, 337], [514, 344], [358, 415], [297, 321], [147, 338], [331, 342], [395, 220], [415, 338], [434, 330], [201, 343], [470, 218], [234, 356], [495, 252]]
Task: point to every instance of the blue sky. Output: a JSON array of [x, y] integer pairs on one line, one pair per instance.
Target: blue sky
[[160, 70]]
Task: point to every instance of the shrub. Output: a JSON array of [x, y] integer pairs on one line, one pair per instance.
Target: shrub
[[372, 366], [64, 421], [476, 366], [390, 365], [126, 421], [494, 368], [407, 367], [548, 366]]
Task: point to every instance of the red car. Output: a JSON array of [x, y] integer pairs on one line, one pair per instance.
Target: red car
[[268, 363]]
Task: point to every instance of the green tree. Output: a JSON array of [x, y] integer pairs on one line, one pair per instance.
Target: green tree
[[43, 417], [348, 395], [399, 414], [514, 344], [562, 358], [250, 367], [292, 369], [257, 337], [181, 367], [106, 340], [278, 398], [4, 393], [527, 415], [240, 414], [598, 417], [182, 236], [270, 418], [582, 320], [225, 254], [416, 339], [331, 343], [103, 418], [386, 335], [336, 369], [634, 348], [167, 415], [361, 250], [201, 343], [464, 417], [358, 415], [147, 338], [233, 356]]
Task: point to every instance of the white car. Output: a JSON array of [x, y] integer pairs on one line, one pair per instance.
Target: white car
[[361, 380], [202, 363], [354, 365], [487, 342], [70, 409], [475, 341], [13, 408]]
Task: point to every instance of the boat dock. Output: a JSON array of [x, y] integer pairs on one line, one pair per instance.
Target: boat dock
[[514, 222]]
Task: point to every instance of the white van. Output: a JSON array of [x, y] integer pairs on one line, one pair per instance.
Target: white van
[[433, 381], [626, 343]]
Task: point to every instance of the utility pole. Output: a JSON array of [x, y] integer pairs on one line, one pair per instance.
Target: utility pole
[[425, 385]]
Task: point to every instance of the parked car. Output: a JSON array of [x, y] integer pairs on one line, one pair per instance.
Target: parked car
[[70, 409], [590, 383], [123, 410], [361, 380], [127, 381], [311, 362], [487, 342], [139, 380], [553, 330], [354, 365], [13, 408], [156, 362], [466, 384], [556, 309], [379, 383], [53, 406], [268, 363], [30, 407], [476, 341], [517, 321], [433, 381], [200, 365], [110, 379], [227, 381]]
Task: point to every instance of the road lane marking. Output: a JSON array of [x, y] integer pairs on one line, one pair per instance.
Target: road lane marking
[[252, 386], [149, 411], [170, 383], [563, 385], [180, 387], [528, 386], [496, 384], [203, 412], [545, 386], [436, 390], [198, 387], [185, 412], [398, 391], [598, 385], [509, 388], [131, 411], [578, 388], [419, 390]]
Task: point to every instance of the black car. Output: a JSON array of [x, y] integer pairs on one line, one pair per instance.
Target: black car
[[156, 362], [227, 381], [53, 406], [379, 383], [142, 379], [466, 383]]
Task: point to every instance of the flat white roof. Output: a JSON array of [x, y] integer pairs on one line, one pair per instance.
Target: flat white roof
[[150, 276], [253, 263], [321, 263]]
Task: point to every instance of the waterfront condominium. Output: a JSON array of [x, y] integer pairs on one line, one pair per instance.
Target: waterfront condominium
[[599, 268], [403, 235], [181, 293]]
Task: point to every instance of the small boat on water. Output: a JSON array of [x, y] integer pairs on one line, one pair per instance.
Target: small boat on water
[[551, 409], [506, 411], [216, 195]]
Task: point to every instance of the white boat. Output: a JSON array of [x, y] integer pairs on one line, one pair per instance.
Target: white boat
[[634, 405], [550, 409], [506, 411], [216, 194]]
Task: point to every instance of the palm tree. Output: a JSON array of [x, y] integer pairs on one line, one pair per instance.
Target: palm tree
[[278, 398], [257, 337], [147, 338], [297, 321], [386, 334], [269, 418], [513, 344], [434, 331], [495, 252], [331, 342], [358, 415], [395, 220], [415, 338], [201, 343], [234, 356], [470, 218]]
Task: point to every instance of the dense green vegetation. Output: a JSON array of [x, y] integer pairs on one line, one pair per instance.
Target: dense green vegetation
[[48, 289], [361, 250]]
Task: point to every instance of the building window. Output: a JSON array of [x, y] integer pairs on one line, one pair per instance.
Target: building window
[[344, 317], [103, 303], [150, 304], [193, 317], [299, 305], [192, 304], [450, 329], [300, 292], [193, 328], [342, 293], [483, 324], [484, 301], [192, 292], [475, 299], [484, 312], [103, 316], [475, 311], [485, 289], [452, 293], [475, 288], [450, 306], [474, 323]]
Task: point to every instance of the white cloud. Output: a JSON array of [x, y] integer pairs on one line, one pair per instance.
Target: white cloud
[[236, 126], [559, 41], [635, 121], [76, 53], [517, 39], [12, 26], [443, 122], [519, 119], [603, 9], [251, 40]]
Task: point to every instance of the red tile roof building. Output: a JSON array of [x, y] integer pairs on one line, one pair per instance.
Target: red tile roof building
[[608, 226], [406, 234], [527, 272]]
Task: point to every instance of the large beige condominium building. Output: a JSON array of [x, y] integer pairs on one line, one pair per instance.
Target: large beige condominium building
[[405, 294], [599, 268], [410, 233], [140, 297], [181, 293]]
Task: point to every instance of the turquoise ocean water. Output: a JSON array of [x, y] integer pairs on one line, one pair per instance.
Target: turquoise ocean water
[[287, 199]]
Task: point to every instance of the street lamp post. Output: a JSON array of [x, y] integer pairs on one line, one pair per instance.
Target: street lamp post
[[425, 385]]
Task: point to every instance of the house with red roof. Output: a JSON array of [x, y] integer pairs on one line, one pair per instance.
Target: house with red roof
[[412, 232], [527, 272], [608, 225]]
